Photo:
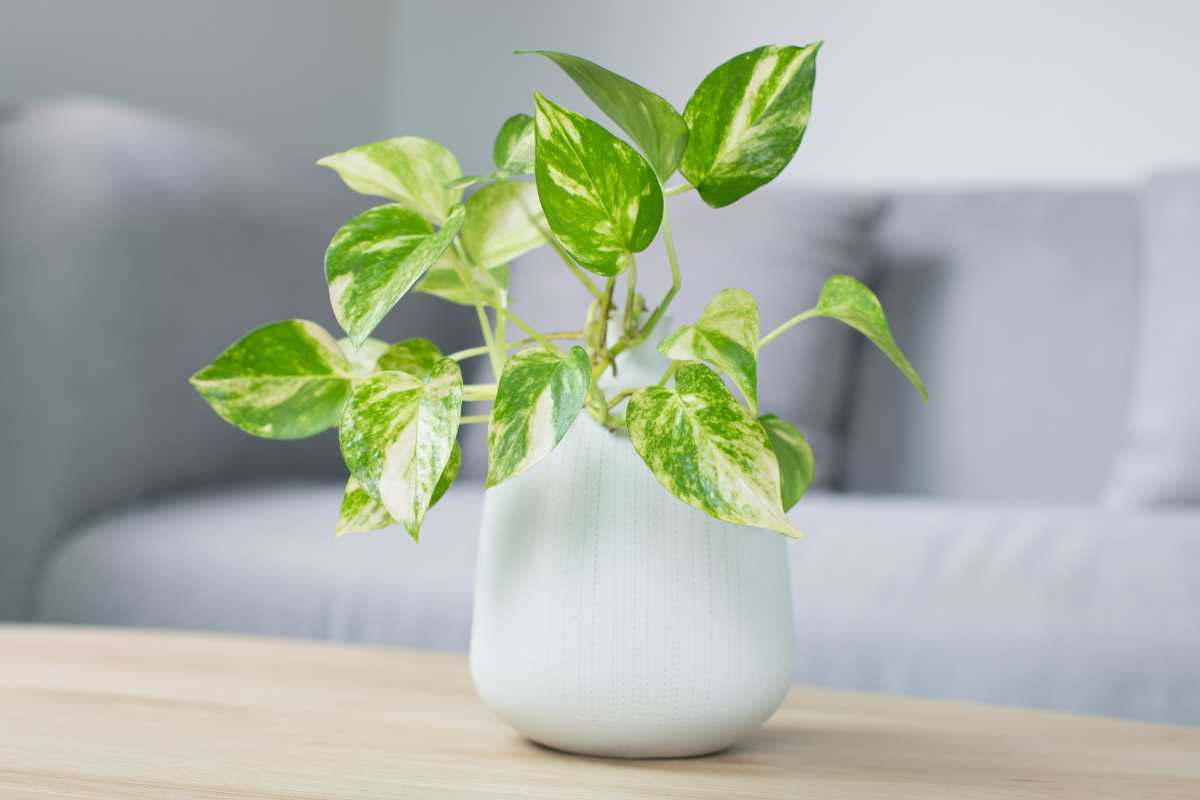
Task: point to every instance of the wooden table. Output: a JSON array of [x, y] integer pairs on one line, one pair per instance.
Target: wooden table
[[110, 713]]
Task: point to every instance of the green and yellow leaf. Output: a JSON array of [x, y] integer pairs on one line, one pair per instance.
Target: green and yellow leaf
[[653, 123], [418, 357], [540, 394], [397, 435], [746, 119], [362, 359], [707, 450], [361, 512], [846, 299], [513, 149], [286, 380], [726, 336], [794, 455], [412, 171], [444, 280], [601, 199], [504, 221], [376, 257]]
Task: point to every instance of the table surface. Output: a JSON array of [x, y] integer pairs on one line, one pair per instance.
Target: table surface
[[118, 713]]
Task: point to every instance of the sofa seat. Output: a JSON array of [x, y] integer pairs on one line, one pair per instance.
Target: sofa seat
[[1051, 607]]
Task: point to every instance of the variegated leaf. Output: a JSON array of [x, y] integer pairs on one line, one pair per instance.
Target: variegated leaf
[[362, 359], [707, 450], [397, 435], [846, 299], [601, 198], [361, 512], [747, 118], [726, 336], [512, 152], [653, 123], [504, 221], [540, 394], [445, 281], [286, 380], [412, 171], [376, 257], [417, 357], [794, 455], [513, 148]]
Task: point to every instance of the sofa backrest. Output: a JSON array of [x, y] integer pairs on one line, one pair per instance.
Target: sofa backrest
[[1020, 310], [133, 249]]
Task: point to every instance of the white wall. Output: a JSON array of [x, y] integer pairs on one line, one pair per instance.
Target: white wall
[[303, 77], [921, 92]]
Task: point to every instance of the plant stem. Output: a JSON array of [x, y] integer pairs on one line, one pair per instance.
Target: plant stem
[[601, 341], [474, 419], [479, 391], [619, 396], [630, 300], [667, 375], [460, 266], [678, 188], [576, 270], [471, 352], [785, 327], [648, 328], [537, 335]]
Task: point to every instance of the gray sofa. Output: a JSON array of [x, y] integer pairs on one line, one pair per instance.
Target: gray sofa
[[1031, 536]]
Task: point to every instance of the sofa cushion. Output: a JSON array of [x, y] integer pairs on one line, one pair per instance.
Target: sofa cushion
[[1018, 309], [133, 249], [779, 243], [264, 560], [1063, 608], [1160, 463]]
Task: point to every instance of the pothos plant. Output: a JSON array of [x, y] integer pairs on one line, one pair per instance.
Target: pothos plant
[[597, 201]]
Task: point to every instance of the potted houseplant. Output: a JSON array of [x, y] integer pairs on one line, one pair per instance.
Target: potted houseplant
[[632, 594]]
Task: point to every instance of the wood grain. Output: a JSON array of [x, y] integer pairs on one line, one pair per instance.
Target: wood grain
[[111, 713]]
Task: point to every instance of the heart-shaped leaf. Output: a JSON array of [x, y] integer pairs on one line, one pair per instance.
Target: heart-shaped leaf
[[286, 380], [746, 119], [539, 395], [412, 171], [418, 357], [707, 450], [514, 147], [363, 358], [653, 123], [445, 281], [504, 221], [397, 435], [601, 198], [846, 299], [795, 458], [726, 336], [376, 257], [361, 512]]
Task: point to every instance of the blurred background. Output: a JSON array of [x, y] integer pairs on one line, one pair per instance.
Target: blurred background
[[1018, 181]]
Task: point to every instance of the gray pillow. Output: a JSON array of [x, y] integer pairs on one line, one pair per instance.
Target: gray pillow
[[1160, 464], [781, 244]]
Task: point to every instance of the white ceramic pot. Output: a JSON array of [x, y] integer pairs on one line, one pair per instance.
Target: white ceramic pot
[[613, 620]]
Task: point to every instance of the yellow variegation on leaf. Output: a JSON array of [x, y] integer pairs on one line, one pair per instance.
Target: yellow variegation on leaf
[[540, 394], [707, 450], [504, 221], [397, 435], [376, 257], [285, 380], [410, 170], [726, 336], [361, 512]]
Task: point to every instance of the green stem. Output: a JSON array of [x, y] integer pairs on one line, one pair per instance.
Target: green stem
[[479, 391], [484, 324], [785, 327], [678, 188], [471, 352], [601, 341], [619, 396], [576, 270], [630, 299], [474, 419], [667, 375], [537, 335]]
